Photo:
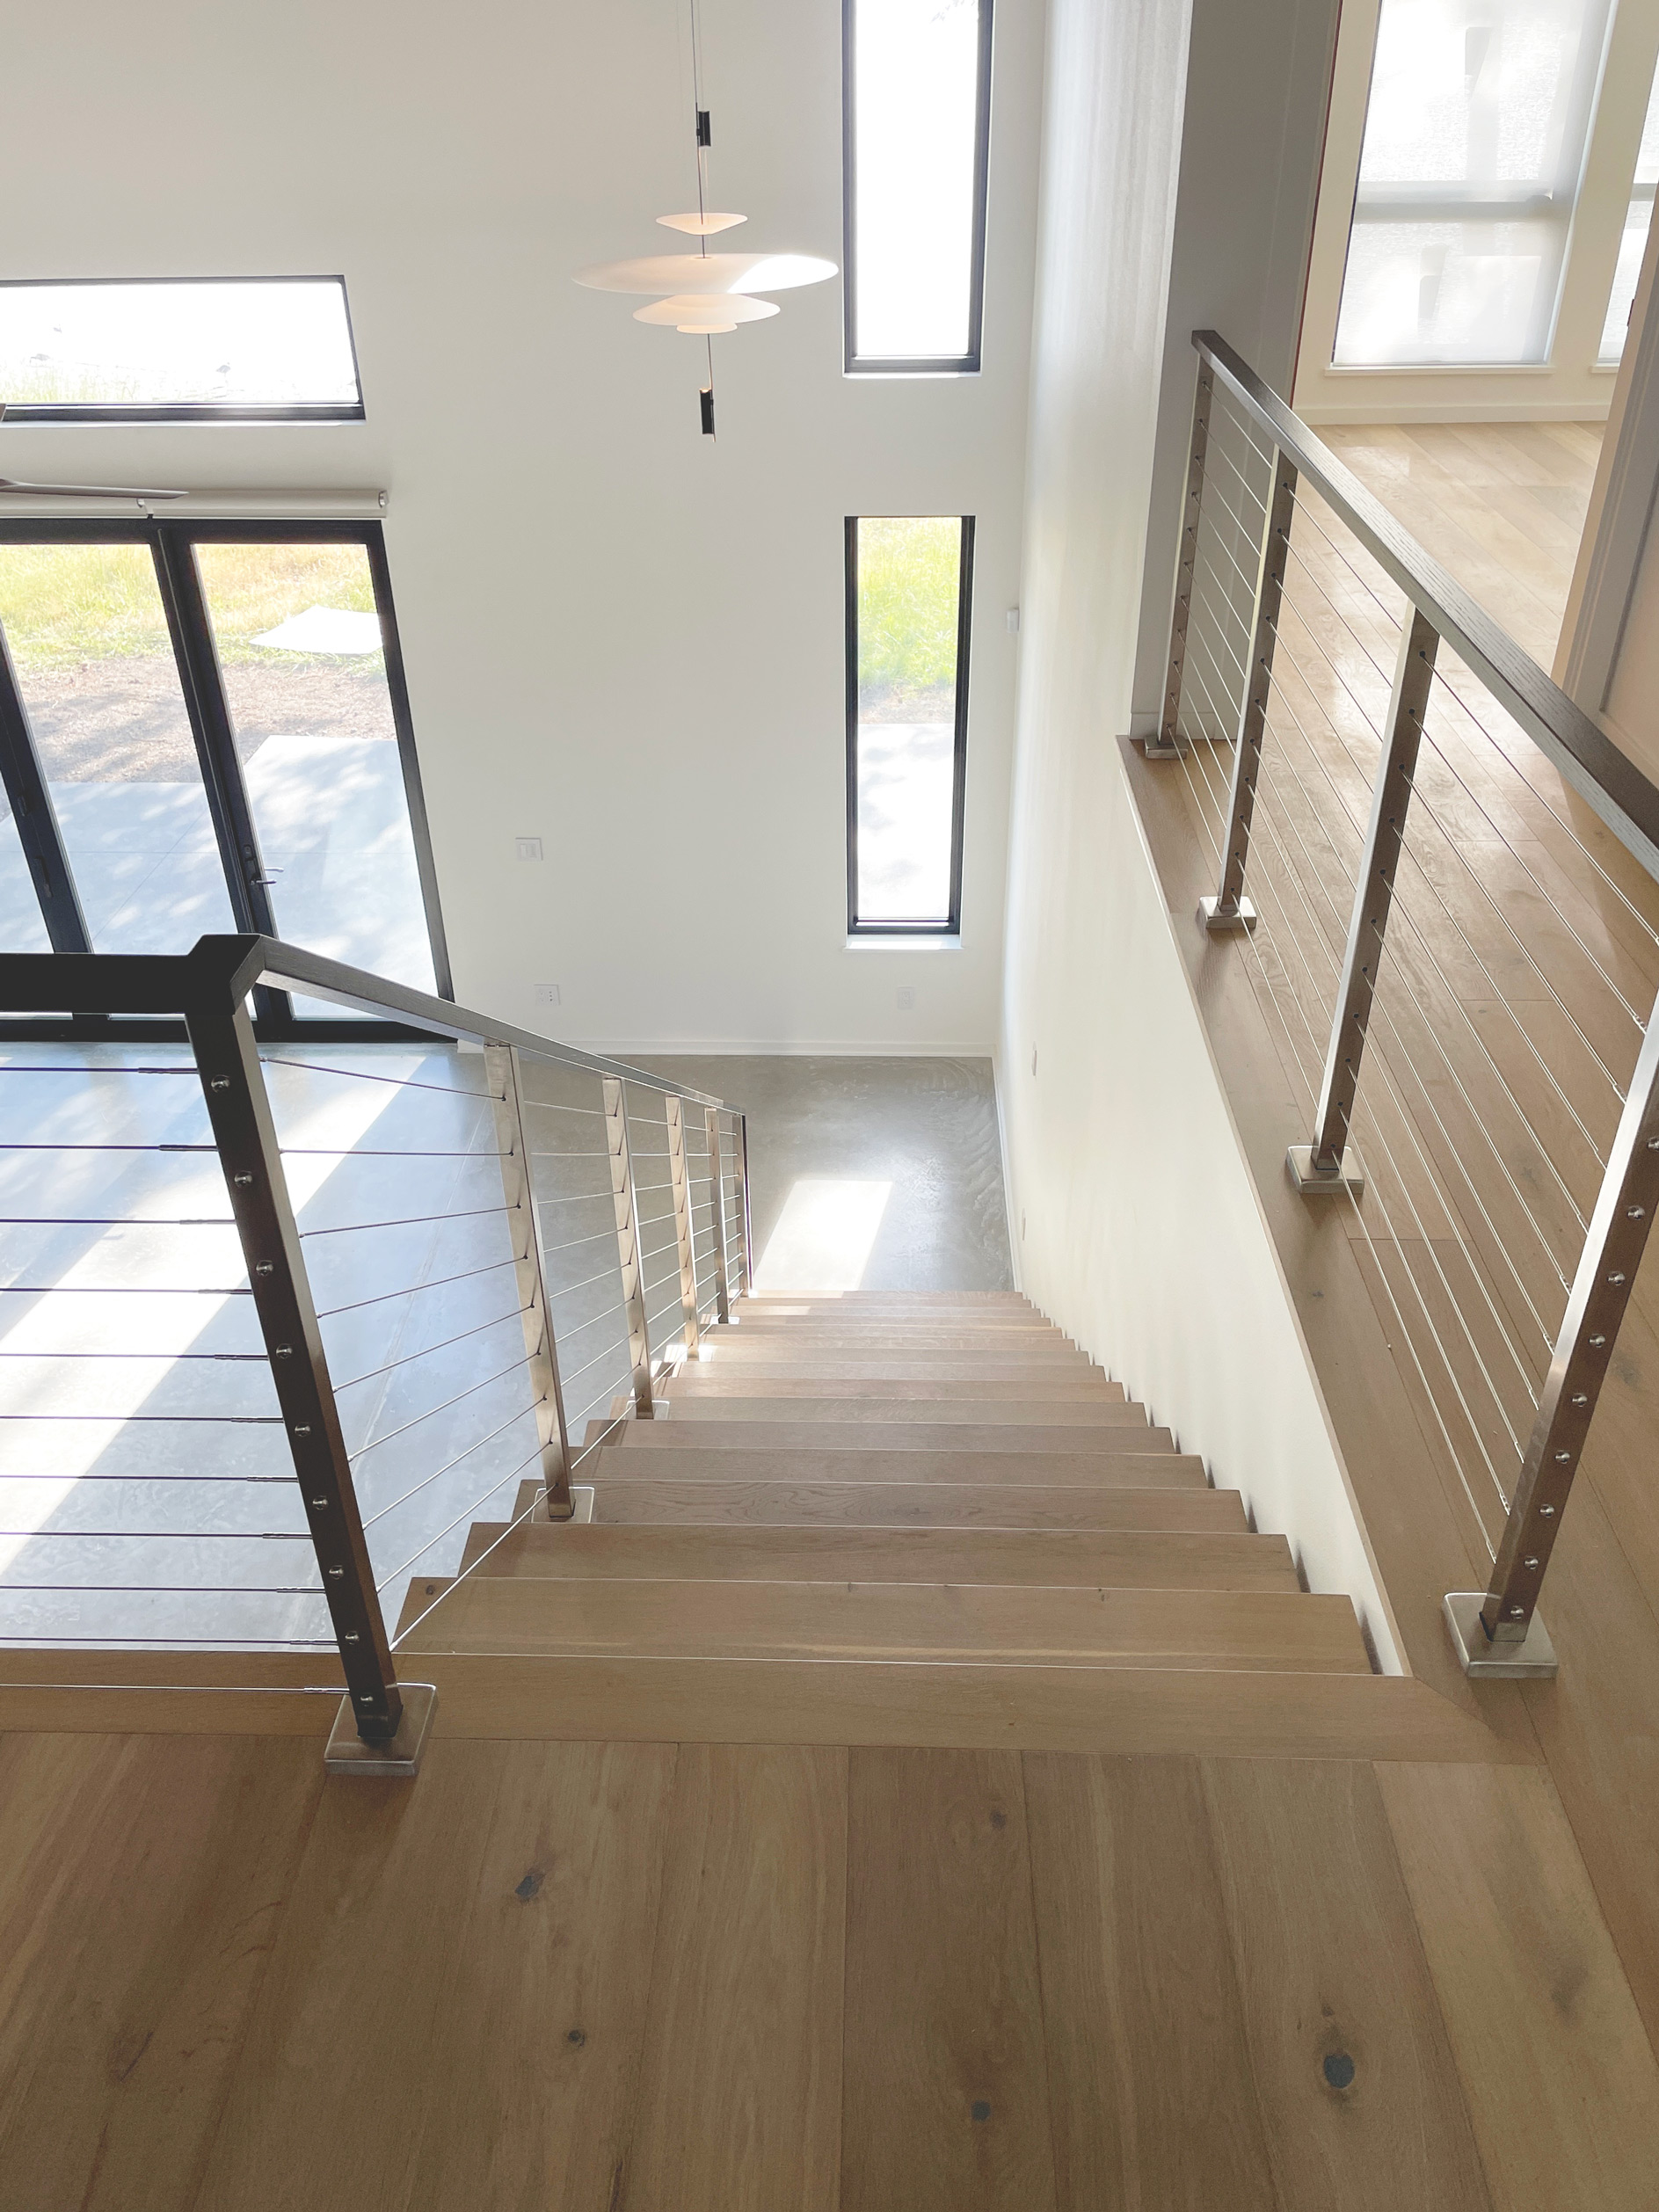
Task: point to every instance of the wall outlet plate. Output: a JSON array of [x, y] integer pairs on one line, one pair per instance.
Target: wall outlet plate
[[904, 999], [545, 994], [528, 847]]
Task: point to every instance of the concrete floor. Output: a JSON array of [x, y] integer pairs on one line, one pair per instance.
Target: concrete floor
[[929, 1127]]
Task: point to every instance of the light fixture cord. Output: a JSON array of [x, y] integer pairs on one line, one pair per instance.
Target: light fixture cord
[[696, 116], [701, 150]]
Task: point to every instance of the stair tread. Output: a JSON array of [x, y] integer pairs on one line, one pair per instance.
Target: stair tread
[[971, 1385], [897, 1365], [1143, 1558], [809, 1503], [941, 1622], [1032, 1412], [870, 1329], [697, 1462], [806, 1435]]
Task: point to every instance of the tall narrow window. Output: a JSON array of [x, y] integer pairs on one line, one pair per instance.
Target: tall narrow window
[[917, 119], [1468, 179], [909, 593]]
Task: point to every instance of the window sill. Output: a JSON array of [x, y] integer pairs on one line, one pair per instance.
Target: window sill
[[869, 941]]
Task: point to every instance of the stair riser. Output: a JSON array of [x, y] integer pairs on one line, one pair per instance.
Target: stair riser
[[917, 1505], [1013, 1470], [798, 1435], [1083, 1412], [1129, 1560]]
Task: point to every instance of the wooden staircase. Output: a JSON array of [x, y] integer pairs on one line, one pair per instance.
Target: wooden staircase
[[925, 1477]]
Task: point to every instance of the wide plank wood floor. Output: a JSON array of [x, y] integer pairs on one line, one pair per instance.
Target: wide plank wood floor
[[1429, 1308], [606, 1977]]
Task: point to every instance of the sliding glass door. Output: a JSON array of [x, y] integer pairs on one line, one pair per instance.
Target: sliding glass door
[[203, 727], [99, 693]]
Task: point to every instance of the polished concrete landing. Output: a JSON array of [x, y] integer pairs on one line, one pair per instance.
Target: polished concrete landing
[[927, 1127]]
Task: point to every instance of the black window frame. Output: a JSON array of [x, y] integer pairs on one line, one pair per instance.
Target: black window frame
[[24, 411], [171, 543], [968, 364], [951, 925]]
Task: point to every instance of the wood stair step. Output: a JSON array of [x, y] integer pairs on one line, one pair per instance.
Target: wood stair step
[[1106, 1413], [800, 1434], [1100, 1628], [790, 1503], [1122, 1559], [691, 1462], [851, 1301], [989, 1384], [1030, 1335], [884, 1361]]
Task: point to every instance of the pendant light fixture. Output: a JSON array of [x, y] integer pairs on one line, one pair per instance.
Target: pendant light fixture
[[705, 294]]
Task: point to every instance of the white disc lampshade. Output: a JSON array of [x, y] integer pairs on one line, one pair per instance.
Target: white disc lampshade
[[701, 273], [700, 225], [707, 313]]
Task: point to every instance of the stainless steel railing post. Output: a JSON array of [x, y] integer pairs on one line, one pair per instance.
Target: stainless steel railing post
[[1499, 1632], [1230, 910], [1324, 1165], [718, 1195], [628, 1243], [740, 1123], [505, 1074], [1169, 742], [239, 1112], [679, 1190]]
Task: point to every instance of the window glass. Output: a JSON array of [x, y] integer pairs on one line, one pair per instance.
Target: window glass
[[100, 684], [1474, 142], [1633, 239], [908, 723], [232, 347], [917, 114], [299, 651], [21, 928]]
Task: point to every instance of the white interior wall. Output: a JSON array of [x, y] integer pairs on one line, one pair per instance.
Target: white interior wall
[[619, 636], [1135, 1225], [1257, 80]]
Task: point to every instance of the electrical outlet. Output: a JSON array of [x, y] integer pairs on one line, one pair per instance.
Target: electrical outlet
[[528, 847], [545, 994], [904, 999]]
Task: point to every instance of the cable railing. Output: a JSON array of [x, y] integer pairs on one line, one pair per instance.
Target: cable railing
[[281, 1323], [1370, 762]]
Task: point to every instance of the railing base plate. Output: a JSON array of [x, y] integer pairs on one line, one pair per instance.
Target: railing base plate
[[1160, 748], [1531, 1660], [1219, 925], [1349, 1177], [348, 1754], [582, 1495]]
